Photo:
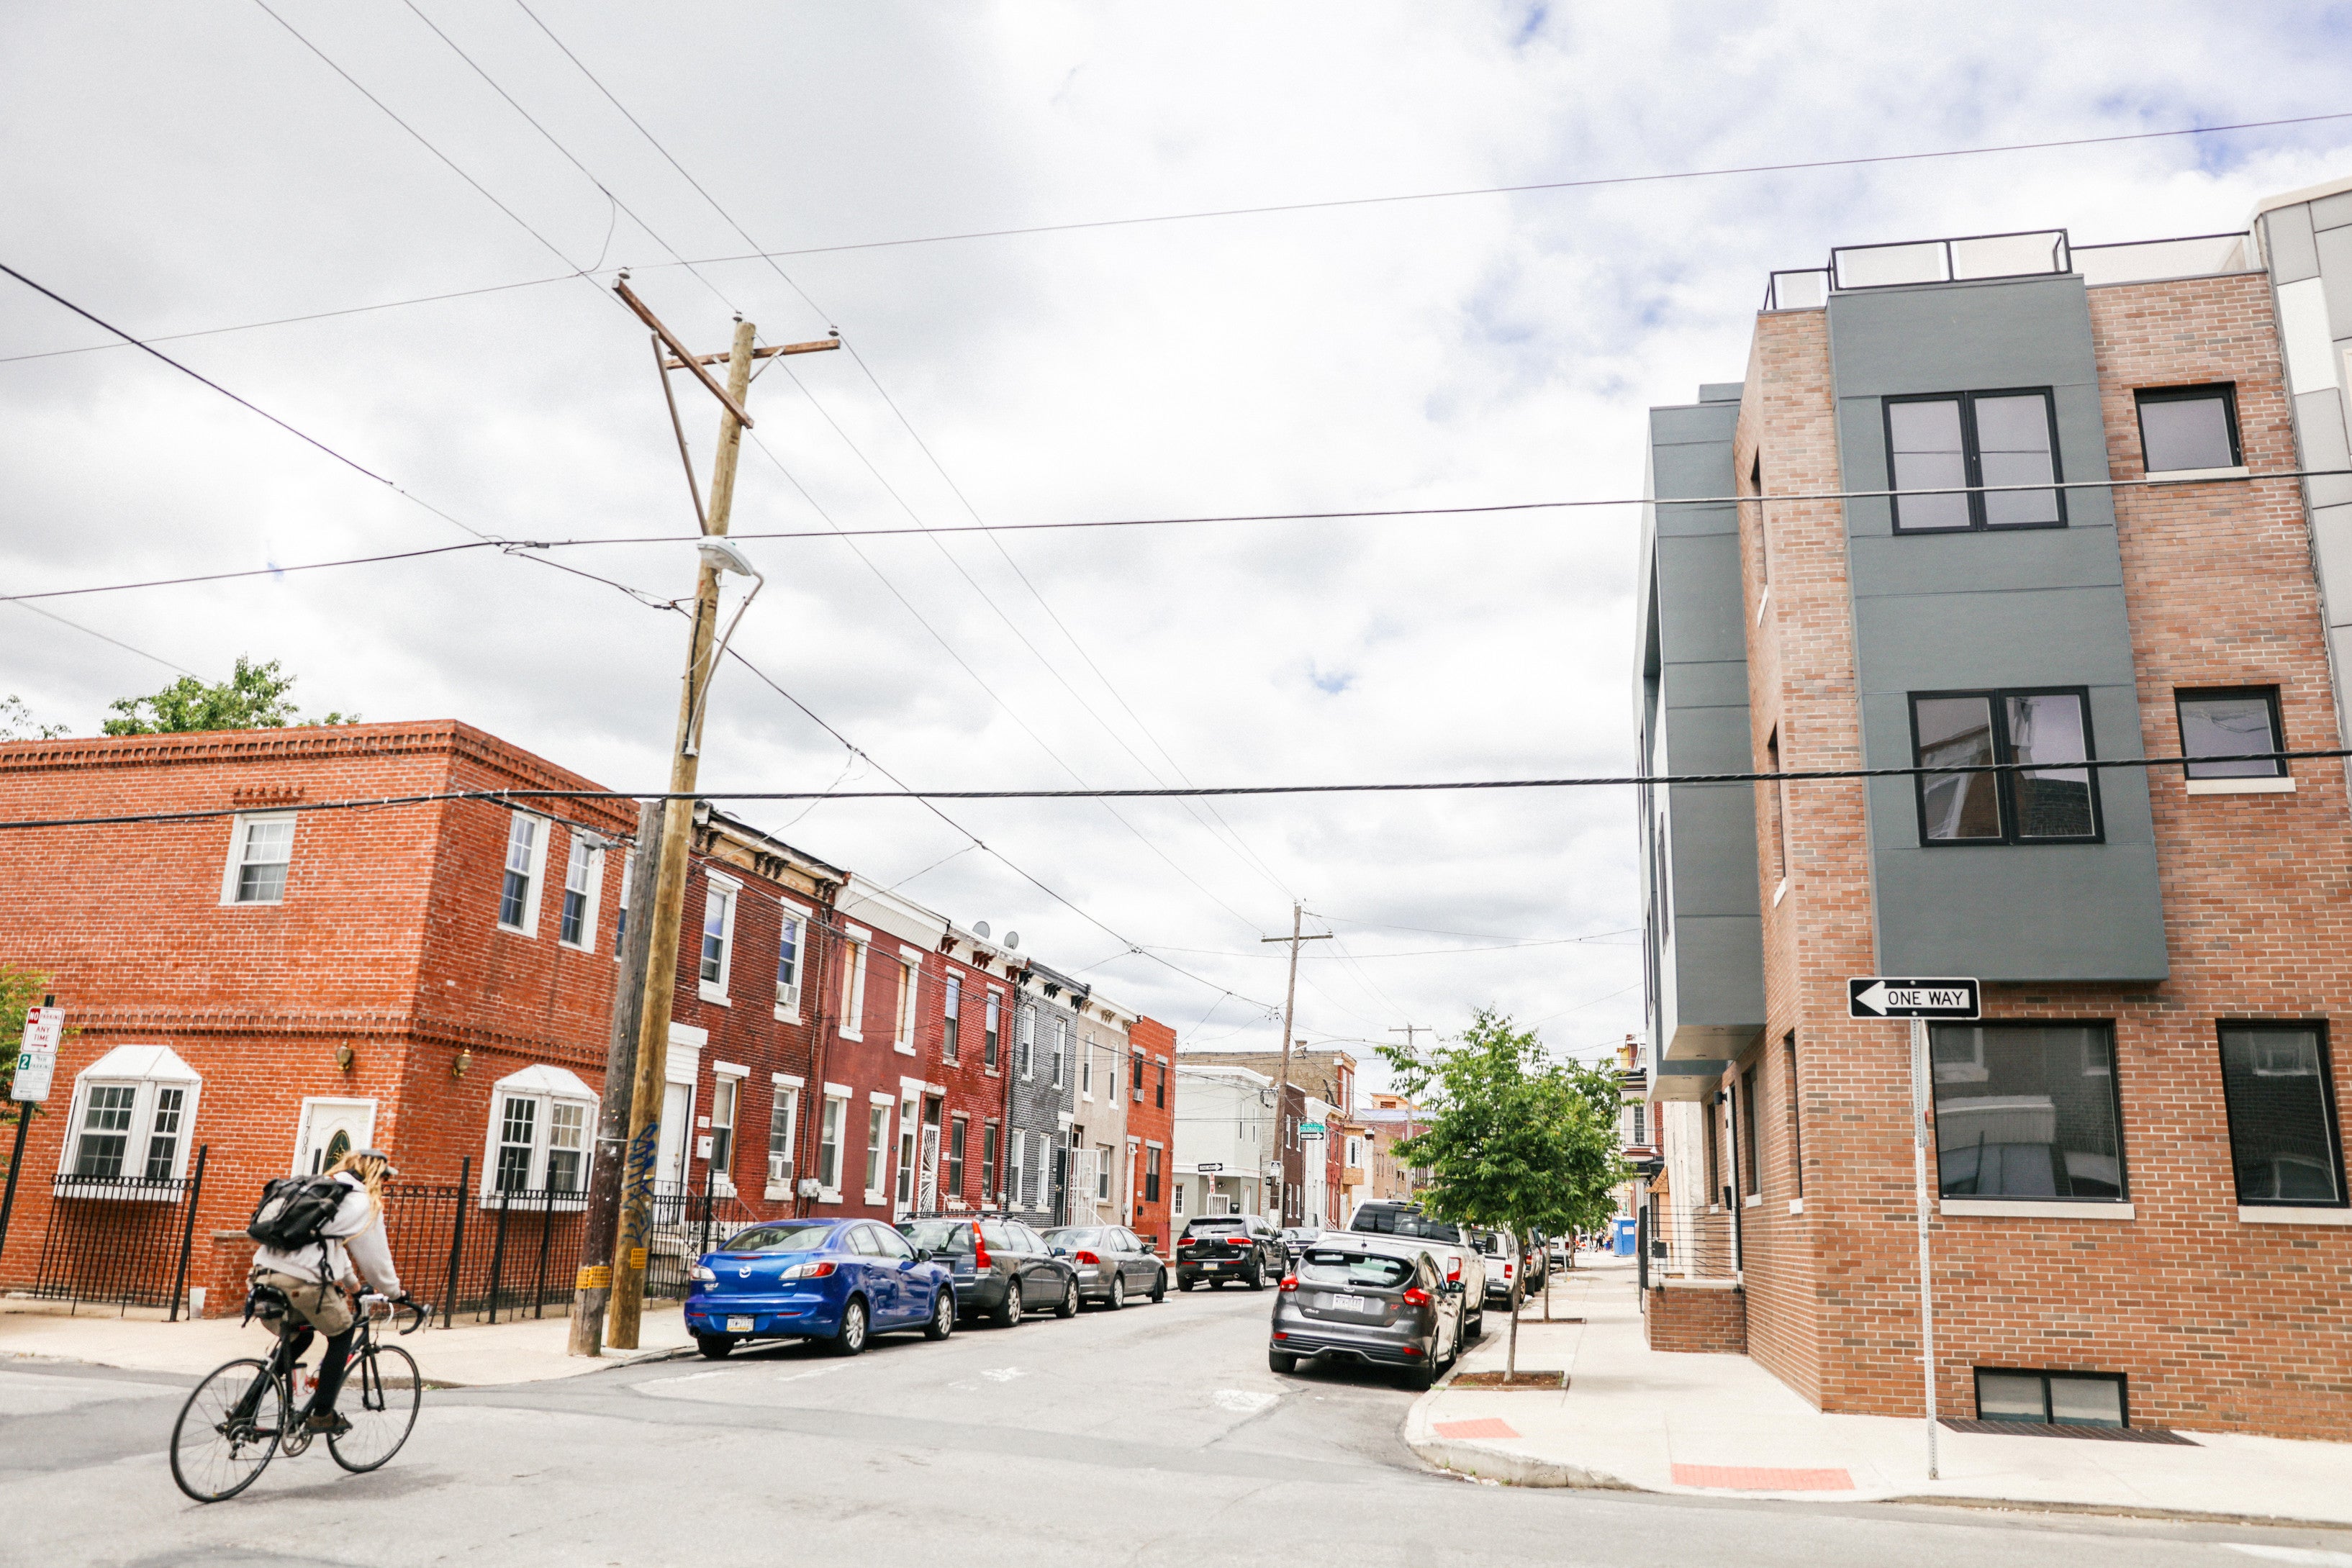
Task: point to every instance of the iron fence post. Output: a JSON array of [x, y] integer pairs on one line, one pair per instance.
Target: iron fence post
[[546, 1236], [710, 1178], [188, 1231], [15, 1163], [498, 1252], [458, 1240]]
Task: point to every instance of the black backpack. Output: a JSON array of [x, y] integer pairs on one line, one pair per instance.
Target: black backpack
[[296, 1211]]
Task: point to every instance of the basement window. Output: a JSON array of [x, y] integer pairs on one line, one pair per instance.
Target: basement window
[[2051, 1398]]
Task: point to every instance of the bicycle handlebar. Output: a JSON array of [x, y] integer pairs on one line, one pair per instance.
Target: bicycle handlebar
[[420, 1313]]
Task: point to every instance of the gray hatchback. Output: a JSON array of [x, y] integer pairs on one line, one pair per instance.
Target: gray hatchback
[[1377, 1299]]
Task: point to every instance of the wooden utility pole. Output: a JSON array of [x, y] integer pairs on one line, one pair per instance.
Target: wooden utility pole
[[663, 916], [1289, 1005], [1412, 1032]]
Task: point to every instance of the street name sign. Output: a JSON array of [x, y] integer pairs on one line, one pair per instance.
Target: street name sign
[[1881, 997], [37, 1061]]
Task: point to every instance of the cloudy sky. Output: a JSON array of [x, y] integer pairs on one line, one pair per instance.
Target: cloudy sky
[[187, 167]]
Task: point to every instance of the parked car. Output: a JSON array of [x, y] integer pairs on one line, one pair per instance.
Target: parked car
[[1535, 1257], [1296, 1238], [988, 1255], [1504, 1259], [1218, 1247], [1375, 1298], [1112, 1263], [832, 1280], [1456, 1246], [1557, 1252]]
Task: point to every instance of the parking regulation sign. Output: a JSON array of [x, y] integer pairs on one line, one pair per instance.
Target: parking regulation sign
[[1882, 996], [36, 1059]]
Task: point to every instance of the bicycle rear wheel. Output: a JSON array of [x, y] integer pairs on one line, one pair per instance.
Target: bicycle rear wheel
[[389, 1389], [227, 1431]]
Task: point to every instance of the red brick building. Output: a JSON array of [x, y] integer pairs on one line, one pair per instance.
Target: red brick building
[[2136, 1183], [1152, 1130]]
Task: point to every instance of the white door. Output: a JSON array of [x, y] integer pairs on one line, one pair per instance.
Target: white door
[[677, 1119], [329, 1130]]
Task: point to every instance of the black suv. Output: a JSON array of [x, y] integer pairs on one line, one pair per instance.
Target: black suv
[[1218, 1247]]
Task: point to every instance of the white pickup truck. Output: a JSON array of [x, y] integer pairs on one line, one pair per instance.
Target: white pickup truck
[[1457, 1244]]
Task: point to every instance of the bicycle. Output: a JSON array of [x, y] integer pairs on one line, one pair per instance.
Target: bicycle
[[244, 1414]]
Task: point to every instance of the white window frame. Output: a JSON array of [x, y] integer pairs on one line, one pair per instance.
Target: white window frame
[[834, 1120], [587, 859], [1061, 1050], [1016, 1165], [1024, 1038], [535, 858], [854, 941], [787, 1102], [877, 1149], [729, 893], [910, 1152], [796, 925], [546, 1087], [910, 970], [952, 1018], [722, 1074], [621, 905], [147, 1070], [1086, 1068], [241, 840], [991, 1022]]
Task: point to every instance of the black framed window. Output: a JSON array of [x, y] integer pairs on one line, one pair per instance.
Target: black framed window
[[2028, 1110], [2285, 1143], [2048, 802], [2229, 721], [2189, 428], [1954, 444], [2052, 1398], [1749, 1158]]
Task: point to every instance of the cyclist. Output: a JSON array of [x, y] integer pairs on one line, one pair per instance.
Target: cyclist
[[315, 1282]]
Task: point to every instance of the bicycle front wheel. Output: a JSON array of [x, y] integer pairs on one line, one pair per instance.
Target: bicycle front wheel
[[227, 1431], [389, 1389]]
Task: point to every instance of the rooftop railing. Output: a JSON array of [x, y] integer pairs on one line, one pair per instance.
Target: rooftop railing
[[2030, 253]]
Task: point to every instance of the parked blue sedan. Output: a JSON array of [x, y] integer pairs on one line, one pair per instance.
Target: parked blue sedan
[[839, 1281]]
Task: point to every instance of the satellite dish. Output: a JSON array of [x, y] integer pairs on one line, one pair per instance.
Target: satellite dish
[[1011, 940], [979, 929]]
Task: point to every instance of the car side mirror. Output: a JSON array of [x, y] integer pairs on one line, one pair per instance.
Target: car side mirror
[[922, 1254], [1061, 1252], [1454, 1287]]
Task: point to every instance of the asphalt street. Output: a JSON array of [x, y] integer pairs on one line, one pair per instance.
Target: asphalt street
[[1152, 1435]]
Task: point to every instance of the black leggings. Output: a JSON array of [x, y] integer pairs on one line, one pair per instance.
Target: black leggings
[[333, 1362]]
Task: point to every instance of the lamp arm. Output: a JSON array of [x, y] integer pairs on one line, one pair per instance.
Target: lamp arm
[[694, 723]]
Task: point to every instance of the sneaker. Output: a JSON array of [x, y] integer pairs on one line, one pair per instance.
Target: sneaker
[[326, 1424]]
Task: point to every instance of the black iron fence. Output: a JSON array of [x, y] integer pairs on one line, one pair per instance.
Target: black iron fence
[[1698, 1245], [122, 1241], [685, 1225]]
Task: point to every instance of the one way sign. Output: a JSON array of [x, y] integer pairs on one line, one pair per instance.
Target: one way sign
[[1877, 996]]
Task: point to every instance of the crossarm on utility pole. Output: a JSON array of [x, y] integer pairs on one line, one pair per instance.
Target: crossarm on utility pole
[[734, 404], [1289, 1003], [770, 352]]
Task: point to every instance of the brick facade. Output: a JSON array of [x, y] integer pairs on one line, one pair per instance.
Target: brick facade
[[1152, 1127], [2219, 1323], [1696, 1319]]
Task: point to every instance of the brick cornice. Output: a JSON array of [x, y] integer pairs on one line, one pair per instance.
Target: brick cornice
[[118, 1022]]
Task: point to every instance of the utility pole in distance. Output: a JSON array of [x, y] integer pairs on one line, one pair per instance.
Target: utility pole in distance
[[1289, 1005], [663, 916], [1412, 1032]]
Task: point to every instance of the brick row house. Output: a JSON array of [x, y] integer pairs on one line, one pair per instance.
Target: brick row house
[[276, 986], [2139, 1207]]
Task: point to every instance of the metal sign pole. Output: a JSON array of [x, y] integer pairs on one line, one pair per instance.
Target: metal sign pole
[[1920, 1089]]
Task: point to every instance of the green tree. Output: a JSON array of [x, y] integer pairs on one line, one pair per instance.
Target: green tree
[[17, 722], [1514, 1141], [252, 699], [19, 989]]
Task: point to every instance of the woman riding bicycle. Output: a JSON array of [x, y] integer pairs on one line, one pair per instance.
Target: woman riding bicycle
[[314, 1280]]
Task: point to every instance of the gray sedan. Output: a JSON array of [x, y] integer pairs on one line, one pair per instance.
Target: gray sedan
[[1112, 1263], [1357, 1298]]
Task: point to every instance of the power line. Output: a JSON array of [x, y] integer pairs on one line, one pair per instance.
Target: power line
[[94, 632], [1591, 183], [926, 797], [1372, 514]]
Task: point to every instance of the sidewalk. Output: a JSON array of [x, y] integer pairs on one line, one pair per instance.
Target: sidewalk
[[528, 1350], [1636, 1419]]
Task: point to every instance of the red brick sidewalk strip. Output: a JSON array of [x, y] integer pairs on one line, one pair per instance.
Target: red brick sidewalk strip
[[1484, 1427]]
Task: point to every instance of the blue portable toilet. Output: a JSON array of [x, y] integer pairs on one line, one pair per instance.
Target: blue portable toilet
[[1624, 1237]]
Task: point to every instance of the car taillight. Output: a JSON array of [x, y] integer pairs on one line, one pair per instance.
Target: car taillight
[[1415, 1297], [1507, 1270], [1290, 1281], [979, 1258], [1453, 1268], [806, 1271], [1084, 1258]]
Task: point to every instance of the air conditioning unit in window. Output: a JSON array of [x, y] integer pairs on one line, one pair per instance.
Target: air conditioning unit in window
[[788, 998], [780, 1170]]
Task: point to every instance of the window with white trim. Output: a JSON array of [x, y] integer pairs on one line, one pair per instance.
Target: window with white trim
[[907, 1129], [726, 1089], [130, 1123], [1016, 1166], [828, 1144], [260, 848], [853, 985], [525, 866], [781, 1114], [951, 1012], [989, 1031], [583, 873], [718, 939], [877, 1150], [904, 1040], [1061, 1048], [788, 967], [1024, 1039], [621, 905], [1087, 1069], [539, 1135]]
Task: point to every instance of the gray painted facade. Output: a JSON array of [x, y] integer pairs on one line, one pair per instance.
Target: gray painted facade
[[1041, 1100], [1990, 610], [2307, 237], [1704, 948]]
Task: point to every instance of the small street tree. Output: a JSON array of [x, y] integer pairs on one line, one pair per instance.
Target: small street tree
[[1514, 1142], [252, 699]]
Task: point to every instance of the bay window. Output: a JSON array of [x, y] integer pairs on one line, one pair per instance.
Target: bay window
[[2046, 802], [540, 1142]]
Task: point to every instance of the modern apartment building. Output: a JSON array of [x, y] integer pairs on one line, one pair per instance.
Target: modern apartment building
[[2010, 500]]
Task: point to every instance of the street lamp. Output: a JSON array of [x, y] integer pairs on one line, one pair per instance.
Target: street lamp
[[721, 555]]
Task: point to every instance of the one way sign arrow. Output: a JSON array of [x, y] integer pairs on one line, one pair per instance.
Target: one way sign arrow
[[1878, 997]]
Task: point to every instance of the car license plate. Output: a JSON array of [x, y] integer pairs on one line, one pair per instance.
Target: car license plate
[[1354, 1304], [738, 1326], [1212, 1265]]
